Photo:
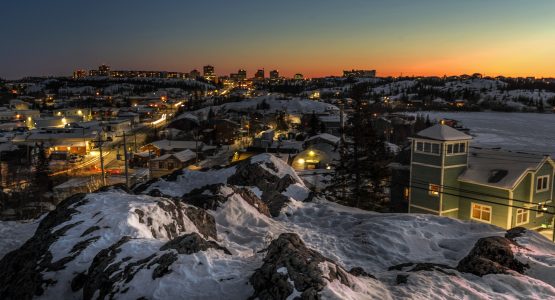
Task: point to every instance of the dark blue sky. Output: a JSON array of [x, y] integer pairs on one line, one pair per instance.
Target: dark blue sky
[[315, 37]]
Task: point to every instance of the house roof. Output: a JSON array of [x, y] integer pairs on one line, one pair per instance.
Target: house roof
[[325, 136], [170, 145], [442, 132], [501, 169], [183, 156]]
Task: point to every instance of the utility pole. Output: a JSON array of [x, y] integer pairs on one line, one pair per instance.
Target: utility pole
[[125, 159], [100, 142]]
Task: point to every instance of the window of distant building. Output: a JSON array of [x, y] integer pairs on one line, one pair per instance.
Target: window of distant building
[[522, 216], [433, 190], [456, 148], [427, 147], [406, 193], [542, 183], [481, 212]]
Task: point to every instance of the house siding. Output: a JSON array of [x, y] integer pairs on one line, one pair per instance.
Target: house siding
[[489, 196], [419, 190]]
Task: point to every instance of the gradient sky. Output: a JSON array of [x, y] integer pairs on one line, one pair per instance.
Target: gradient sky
[[314, 37]]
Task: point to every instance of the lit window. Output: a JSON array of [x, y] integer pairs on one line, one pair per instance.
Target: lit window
[[542, 183], [481, 212], [433, 190], [521, 216], [406, 192]]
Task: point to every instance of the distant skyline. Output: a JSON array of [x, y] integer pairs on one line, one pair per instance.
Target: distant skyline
[[313, 37]]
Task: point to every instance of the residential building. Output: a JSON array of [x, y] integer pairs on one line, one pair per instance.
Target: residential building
[[506, 189], [169, 163]]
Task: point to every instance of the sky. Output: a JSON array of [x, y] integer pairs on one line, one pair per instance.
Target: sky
[[313, 37]]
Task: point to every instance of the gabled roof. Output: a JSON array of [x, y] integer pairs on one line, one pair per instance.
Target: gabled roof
[[182, 156], [500, 169], [325, 136], [442, 132]]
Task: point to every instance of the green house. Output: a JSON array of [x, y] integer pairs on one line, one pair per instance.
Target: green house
[[506, 189]]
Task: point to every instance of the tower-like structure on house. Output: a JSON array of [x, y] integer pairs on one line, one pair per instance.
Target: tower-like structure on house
[[439, 155]]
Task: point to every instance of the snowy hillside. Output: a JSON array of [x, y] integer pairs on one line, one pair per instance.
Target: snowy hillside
[[255, 230], [298, 106]]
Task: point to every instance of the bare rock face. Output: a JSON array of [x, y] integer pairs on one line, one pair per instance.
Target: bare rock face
[[491, 255], [254, 174], [290, 266]]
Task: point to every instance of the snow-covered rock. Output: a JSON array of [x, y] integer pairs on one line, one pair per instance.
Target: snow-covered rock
[[162, 242]]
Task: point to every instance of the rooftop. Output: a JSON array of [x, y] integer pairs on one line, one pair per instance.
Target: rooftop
[[442, 132]]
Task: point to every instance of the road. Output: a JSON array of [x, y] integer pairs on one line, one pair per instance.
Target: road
[[110, 150]]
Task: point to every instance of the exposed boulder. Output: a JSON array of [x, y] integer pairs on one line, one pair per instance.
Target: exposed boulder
[[491, 255], [290, 266]]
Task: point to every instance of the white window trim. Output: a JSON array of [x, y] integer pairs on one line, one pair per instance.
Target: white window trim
[[546, 186], [459, 153], [424, 152], [527, 216], [478, 219]]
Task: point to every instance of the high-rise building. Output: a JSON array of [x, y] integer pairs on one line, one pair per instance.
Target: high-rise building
[[208, 73], [242, 74], [104, 70], [274, 74], [80, 73], [194, 73], [259, 75]]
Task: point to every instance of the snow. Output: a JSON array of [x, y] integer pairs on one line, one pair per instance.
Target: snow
[[349, 236], [511, 131], [282, 271], [15, 233], [299, 106], [191, 180]]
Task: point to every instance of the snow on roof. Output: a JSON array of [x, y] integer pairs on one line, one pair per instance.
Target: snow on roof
[[501, 169], [169, 145], [442, 132], [325, 136], [182, 156]]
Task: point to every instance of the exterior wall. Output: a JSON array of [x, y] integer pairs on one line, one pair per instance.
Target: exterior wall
[[473, 193], [526, 190], [419, 190], [428, 159], [157, 171], [450, 200]]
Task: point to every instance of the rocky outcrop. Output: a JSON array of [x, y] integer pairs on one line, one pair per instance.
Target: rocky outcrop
[[290, 266], [192, 243], [107, 277], [491, 255], [21, 270], [254, 174]]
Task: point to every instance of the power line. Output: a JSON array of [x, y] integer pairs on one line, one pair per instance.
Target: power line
[[486, 201], [477, 193]]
